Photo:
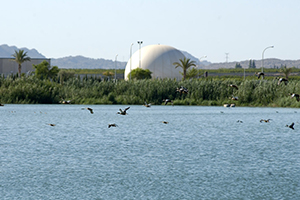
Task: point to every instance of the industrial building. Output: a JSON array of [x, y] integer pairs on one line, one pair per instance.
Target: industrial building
[[158, 59], [9, 66]]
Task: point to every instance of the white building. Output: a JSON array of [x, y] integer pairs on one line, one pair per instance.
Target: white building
[[8, 66], [158, 59]]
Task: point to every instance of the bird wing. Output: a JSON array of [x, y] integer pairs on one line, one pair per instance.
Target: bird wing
[[126, 109]]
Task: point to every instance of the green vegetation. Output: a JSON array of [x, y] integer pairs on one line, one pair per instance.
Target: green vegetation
[[93, 71], [286, 71], [44, 71], [139, 74], [204, 91], [20, 57], [185, 64]]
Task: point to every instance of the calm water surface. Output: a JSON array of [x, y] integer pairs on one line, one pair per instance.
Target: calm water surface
[[203, 153]]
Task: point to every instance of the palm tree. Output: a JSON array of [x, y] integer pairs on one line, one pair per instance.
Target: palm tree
[[184, 64], [286, 71], [20, 57]]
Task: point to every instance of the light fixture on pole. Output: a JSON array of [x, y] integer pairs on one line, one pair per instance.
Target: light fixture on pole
[[250, 66], [130, 60], [201, 58], [262, 60], [140, 43], [116, 68]]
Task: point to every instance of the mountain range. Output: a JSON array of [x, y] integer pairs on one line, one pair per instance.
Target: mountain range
[[77, 62]]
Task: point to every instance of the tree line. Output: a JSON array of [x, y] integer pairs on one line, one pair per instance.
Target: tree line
[[49, 85]]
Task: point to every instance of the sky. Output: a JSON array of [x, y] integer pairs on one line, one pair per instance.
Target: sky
[[107, 28]]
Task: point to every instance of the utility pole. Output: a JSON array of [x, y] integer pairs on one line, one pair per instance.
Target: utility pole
[[227, 57]]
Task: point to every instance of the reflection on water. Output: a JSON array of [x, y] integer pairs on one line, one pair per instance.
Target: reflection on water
[[202, 153]]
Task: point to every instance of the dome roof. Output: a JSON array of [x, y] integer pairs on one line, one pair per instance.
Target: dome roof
[[158, 59]]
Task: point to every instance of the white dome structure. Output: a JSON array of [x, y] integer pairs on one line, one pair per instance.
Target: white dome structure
[[158, 59]]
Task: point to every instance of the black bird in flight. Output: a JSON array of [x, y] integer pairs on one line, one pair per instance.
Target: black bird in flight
[[123, 112], [89, 109], [265, 120], [291, 126], [260, 74], [112, 125], [167, 101], [296, 96]]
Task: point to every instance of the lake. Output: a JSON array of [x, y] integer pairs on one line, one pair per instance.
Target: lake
[[202, 153]]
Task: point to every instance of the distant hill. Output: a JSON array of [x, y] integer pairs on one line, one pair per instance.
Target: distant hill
[[81, 62], [203, 63], [268, 63], [7, 51], [91, 63]]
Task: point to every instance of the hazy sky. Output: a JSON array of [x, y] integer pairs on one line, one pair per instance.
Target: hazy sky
[[104, 28]]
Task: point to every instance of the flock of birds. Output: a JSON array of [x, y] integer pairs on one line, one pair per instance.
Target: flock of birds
[[183, 90], [262, 75], [268, 120]]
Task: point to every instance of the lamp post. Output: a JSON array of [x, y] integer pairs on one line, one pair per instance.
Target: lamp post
[[140, 43], [262, 60], [201, 58], [245, 68], [116, 68], [130, 60]]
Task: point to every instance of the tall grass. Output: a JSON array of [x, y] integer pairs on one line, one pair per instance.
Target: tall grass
[[209, 91]]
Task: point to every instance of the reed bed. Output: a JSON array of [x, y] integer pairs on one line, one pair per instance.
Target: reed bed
[[204, 91]]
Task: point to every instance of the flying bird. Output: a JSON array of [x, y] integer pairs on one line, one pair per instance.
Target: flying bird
[[148, 105], [89, 109], [234, 98], [123, 112], [296, 96], [265, 120], [182, 90], [260, 74], [282, 80], [112, 125], [51, 124], [165, 122], [234, 86], [291, 126], [167, 101], [63, 101]]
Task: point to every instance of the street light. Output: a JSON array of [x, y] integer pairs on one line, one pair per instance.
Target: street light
[[140, 43], [262, 60], [116, 68], [248, 67], [201, 58], [130, 60]]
